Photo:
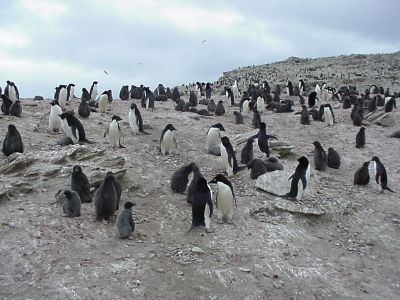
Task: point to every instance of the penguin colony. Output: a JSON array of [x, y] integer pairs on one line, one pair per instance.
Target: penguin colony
[[255, 101]]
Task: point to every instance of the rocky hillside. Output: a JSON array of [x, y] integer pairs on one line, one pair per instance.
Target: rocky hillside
[[356, 69]]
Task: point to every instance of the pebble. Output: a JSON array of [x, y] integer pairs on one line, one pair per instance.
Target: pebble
[[180, 273], [198, 250], [67, 267], [247, 270], [160, 271]]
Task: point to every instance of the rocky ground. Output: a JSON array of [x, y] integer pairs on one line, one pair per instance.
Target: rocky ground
[[350, 251]]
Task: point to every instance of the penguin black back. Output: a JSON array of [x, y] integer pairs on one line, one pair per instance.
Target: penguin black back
[[333, 159], [84, 109], [6, 105], [12, 141], [80, 184], [72, 204], [299, 174], [75, 125], [180, 178], [220, 109], [117, 187], [201, 198], [361, 176], [380, 174], [106, 199], [360, 138], [256, 119], [311, 99], [231, 153], [246, 155], [257, 167], [320, 158]]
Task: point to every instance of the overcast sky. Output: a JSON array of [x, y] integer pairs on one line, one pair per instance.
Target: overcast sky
[[44, 43]]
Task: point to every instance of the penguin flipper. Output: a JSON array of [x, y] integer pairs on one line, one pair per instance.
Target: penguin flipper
[[74, 130], [377, 177], [176, 145], [387, 188]]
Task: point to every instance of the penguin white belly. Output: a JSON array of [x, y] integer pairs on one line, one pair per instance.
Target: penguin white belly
[[55, 122], [103, 102], [213, 138], [114, 133], [62, 98], [245, 109], [260, 104], [207, 219], [167, 143], [226, 94], [225, 202], [300, 190], [225, 162], [71, 93], [328, 116], [12, 93], [68, 131], [147, 103], [132, 122], [287, 91], [94, 93], [374, 169]]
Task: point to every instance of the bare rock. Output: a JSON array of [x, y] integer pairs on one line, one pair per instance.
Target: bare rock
[[297, 208], [113, 162], [37, 98], [97, 176], [16, 162], [274, 182]]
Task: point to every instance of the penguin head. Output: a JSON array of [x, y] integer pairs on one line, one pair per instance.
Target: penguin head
[[95, 82], [202, 185], [218, 178], [263, 126], [68, 194], [133, 106], [375, 159], [110, 173], [109, 179], [129, 205], [170, 127], [77, 169], [317, 145], [250, 141], [9, 82], [105, 93], [362, 129], [12, 128], [303, 161], [366, 164], [71, 84], [66, 115], [116, 118], [219, 126]]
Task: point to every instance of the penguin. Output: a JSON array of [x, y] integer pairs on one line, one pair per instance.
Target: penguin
[[124, 93], [238, 117], [358, 117], [395, 134], [360, 138], [117, 187], [84, 109], [305, 116], [72, 204], [333, 159], [235, 90], [93, 91], [180, 178], [11, 91], [260, 105], [220, 110], [346, 102], [272, 164], [109, 95], [193, 99], [62, 97], [230, 96], [371, 105], [302, 86], [246, 155], [328, 117], [161, 90], [193, 183], [380, 175], [257, 167], [167, 140], [73, 128], [55, 123], [105, 199], [135, 119], [311, 99], [202, 206], [289, 88], [245, 109], [320, 159], [186, 106], [208, 91], [262, 139], [175, 94], [317, 91], [150, 99], [361, 176], [256, 119], [6, 105], [300, 179], [225, 199], [228, 156], [115, 132], [199, 89], [12, 141], [80, 184], [125, 224], [213, 140], [70, 92], [390, 102], [57, 92], [211, 107], [103, 102], [85, 94]]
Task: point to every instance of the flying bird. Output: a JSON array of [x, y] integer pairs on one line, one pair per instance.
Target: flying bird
[[204, 41], [105, 72]]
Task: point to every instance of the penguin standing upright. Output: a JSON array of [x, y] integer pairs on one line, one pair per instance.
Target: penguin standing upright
[[150, 99], [125, 223], [84, 109], [135, 119], [93, 91], [302, 86], [245, 109], [62, 96], [12, 141], [328, 116], [6, 105], [11, 91], [211, 107], [103, 102], [333, 159], [318, 91], [260, 105], [235, 89], [360, 138], [213, 140], [390, 102], [361, 176], [208, 91], [80, 184], [380, 175], [312, 99], [85, 94], [202, 206], [238, 117], [256, 119], [300, 179], [55, 123], [220, 109], [106, 199], [320, 159], [16, 109], [115, 132], [167, 140], [225, 200], [228, 156], [262, 139], [70, 92], [246, 155], [305, 116]]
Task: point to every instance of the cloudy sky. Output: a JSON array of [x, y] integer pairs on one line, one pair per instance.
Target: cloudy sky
[[44, 43]]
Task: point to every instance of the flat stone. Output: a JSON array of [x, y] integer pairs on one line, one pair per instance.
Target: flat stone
[[276, 182], [294, 207]]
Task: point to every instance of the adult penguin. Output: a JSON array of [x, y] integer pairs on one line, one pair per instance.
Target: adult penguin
[[208, 91], [247, 154], [12, 142], [6, 105], [361, 176], [93, 91], [55, 122], [380, 175], [390, 102], [115, 132], [73, 128], [235, 89], [300, 179], [84, 109], [245, 108], [262, 139], [70, 92], [135, 119], [225, 200], [213, 139], [62, 96], [220, 109], [289, 88], [312, 99], [103, 102], [320, 158], [302, 86], [228, 157], [202, 206], [11, 91], [260, 105], [167, 140]]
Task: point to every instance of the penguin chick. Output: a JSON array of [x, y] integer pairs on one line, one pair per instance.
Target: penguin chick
[[125, 223], [80, 184]]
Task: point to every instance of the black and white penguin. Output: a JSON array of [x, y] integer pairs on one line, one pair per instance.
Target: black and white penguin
[[109, 95], [245, 108], [213, 139], [57, 92], [70, 92], [257, 167], [167, 140], [220, 109], [238, 117], [84, 109], [55, 122], [333, 159], [150, 98], [360, 138], [193, 99], [300, 179], [305, 116], [361, 176], [228, 156], [85, 94], [380, 175], [208, 91], [16, 109], [260, 105], [115, 132], [225, 200], [71, 203], [289, 88], [125, 224], [135, 119], [193, 183], [103, 102], [11, 91], [247, 154], [390, 102], [211, 107], [106, 199], [235, 90], [80, 184], [312, 99], [62, 96], [73, 128], [262, 139], [320, 158], [202, 206], [93, 91], [328, 115], [256, 120], [180, 178], [6, 104], [12, 141], [124, 92], [302, 86]]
